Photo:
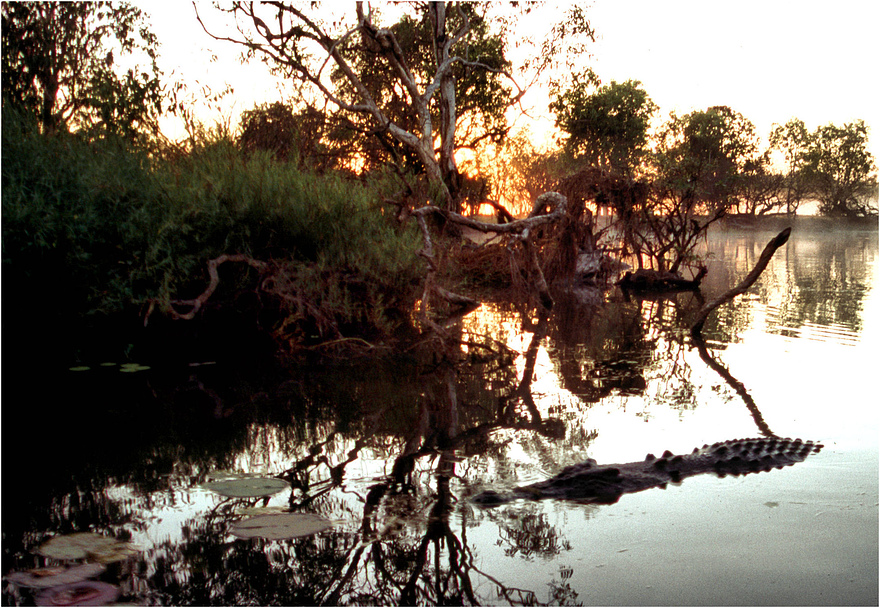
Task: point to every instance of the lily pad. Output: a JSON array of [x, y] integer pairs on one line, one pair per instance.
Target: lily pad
[[80, 368], [42, 578], [83, 545], [281, 526], [261, 510], [132, 367], [247, 487], [222, 475], [86, 593]]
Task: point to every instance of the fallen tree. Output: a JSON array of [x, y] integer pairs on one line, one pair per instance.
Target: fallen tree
[[778, 241]]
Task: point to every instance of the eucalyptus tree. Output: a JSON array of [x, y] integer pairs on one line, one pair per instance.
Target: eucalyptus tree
[[408, 84], [61, 64]]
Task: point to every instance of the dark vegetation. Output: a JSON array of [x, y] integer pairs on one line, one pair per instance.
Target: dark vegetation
[[337, 222]]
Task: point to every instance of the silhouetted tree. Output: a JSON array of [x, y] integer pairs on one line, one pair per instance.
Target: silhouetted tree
[[410, 83], [607, 127], [60, 65], [839, 168]]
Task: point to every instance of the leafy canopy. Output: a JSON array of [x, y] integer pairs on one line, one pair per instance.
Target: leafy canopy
[[706, 155], [606, 127], [839, 168], [61, 64]]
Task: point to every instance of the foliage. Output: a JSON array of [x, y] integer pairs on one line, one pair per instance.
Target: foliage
[[61, 64], [410, 84], [480, 92], [607, 127], [838, 167], [702, 157], [72, 216], [110, 229], [700, 169], [303, 137], [791, 140]]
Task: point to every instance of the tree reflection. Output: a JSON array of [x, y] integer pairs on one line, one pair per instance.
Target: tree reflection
[[391, 449], [735, 384]]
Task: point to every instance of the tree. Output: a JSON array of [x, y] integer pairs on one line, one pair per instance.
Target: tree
[[60, 65], [705, 156], [608, 127], [481, 95], [408, 92], [791, 140], [839, 168], [289, 136], [517, 172], [702, 166]]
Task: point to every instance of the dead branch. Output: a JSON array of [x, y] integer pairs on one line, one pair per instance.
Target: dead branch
[[200, 301], [518, 230], [778, 241], [553, 200]]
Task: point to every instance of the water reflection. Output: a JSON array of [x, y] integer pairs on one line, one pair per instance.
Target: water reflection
[[393, 450]]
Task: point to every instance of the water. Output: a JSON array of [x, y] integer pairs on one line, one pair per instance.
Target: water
[[369, 447]]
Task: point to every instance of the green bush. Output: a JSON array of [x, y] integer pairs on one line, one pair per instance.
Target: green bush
[[110, 228]]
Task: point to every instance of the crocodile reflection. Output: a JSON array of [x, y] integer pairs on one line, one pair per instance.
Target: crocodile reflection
[[591, 483]]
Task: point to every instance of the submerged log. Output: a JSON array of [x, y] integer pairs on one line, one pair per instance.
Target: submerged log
[[655, 280]]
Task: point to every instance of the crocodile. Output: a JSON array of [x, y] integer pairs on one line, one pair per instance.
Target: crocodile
[[589, 482]]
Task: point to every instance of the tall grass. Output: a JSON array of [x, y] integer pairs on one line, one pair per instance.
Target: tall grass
[[109, 228]]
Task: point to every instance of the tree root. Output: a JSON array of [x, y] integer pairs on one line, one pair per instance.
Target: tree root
[[548, 208], [213, 264]]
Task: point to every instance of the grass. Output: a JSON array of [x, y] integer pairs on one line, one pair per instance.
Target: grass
[[104, 229]]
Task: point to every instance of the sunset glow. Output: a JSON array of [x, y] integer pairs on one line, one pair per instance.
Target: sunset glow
[[758, 59]]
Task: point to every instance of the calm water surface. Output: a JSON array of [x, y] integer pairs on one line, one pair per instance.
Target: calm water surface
[[382, 451]]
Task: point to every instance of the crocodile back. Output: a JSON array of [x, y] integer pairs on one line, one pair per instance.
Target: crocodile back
[[743, 456], [590, 482]]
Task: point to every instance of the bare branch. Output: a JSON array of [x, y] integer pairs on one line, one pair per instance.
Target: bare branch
[[747, 282]]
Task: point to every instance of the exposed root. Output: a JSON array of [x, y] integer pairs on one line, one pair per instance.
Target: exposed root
[[197, 303]]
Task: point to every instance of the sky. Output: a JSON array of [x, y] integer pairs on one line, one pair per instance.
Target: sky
[[770, 60]]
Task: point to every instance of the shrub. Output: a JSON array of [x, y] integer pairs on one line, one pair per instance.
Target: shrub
[[110, 229]]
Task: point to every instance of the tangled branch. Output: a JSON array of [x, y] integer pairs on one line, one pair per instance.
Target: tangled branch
[[214, 275]]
